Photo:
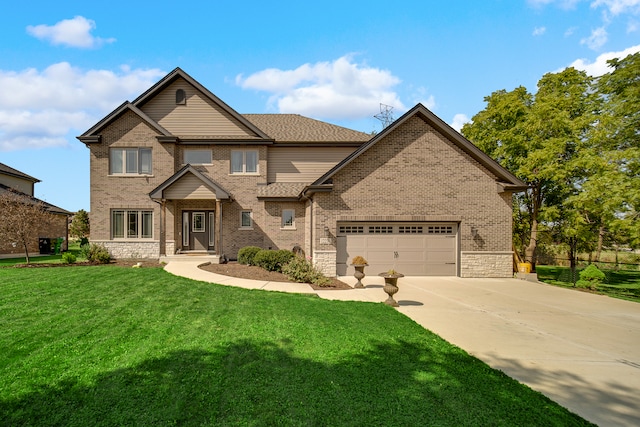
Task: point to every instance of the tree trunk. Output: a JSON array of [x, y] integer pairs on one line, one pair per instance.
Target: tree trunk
[[26, 251], [530, 251], [600, 242], [573, 243]]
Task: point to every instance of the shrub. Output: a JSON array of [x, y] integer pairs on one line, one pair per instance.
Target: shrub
[[95, 253], [68, 258], [358, 260], [302, 271], [247, 254], [272, 260], [590, 277]]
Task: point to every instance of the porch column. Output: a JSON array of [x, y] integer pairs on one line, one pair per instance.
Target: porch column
[[218, 234]]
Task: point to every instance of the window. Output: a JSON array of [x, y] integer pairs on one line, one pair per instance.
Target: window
[[130, 161], [197, 157], [246, 219], [288, 218], [244, 162], [131, 224], [198, 222], [181, 97]]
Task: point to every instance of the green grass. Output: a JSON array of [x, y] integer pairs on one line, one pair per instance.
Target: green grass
[[74, 247], [106, 345], [624, 284]]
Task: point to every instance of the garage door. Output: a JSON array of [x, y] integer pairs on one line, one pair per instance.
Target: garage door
[[413, 249]]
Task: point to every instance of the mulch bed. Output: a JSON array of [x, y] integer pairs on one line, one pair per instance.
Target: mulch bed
[[234, 269]]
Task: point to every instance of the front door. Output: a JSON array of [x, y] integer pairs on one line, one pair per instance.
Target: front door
[[198, 229]]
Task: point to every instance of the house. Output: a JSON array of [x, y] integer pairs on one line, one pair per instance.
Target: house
[[177, 171], [23, 185]]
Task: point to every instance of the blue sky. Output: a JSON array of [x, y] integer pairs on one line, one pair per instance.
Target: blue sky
[[65, 65]]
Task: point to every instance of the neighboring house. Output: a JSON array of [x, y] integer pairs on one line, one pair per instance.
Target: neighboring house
[[23, 185], [177, 171]]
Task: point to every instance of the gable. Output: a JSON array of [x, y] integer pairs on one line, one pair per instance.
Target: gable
[[504, 179], [198, 116], [413, 159]]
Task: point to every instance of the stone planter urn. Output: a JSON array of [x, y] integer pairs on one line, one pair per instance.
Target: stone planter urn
[[359, 274], [359, 264], [391, 286]]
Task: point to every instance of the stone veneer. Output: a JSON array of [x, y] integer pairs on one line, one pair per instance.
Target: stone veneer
[[325, 261], [486, 264], [129, 249]]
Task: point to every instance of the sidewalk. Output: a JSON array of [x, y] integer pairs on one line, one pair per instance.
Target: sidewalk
[[579, 349]]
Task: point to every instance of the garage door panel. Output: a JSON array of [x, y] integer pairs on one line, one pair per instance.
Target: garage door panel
[[426, 249]]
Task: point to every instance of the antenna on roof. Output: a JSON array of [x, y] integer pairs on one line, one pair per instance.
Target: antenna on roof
[[385, 115]]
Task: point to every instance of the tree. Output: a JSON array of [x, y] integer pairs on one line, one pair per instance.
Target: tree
[[80, 225], [618, 136], [22, 219], [536, 137]]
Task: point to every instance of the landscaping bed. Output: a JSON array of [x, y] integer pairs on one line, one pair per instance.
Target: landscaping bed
[[234, 269]]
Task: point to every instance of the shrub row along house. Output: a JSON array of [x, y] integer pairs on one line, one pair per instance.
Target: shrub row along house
[[178, 171], [20, 188]]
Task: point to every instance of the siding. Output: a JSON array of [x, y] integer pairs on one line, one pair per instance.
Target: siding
[[199, 116], [189, 187], [17, 183], [303, 164]]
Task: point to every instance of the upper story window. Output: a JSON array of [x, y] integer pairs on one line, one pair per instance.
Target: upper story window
[[181, 97], [197, 157], [130, 161], [244, 162]]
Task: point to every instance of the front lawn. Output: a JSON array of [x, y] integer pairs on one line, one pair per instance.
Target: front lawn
[[624, 284], [107, 345]]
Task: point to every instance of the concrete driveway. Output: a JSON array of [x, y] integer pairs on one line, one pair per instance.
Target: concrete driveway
[[579, 349]]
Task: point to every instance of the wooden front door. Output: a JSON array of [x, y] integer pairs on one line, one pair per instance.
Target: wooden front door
[[198, 230]]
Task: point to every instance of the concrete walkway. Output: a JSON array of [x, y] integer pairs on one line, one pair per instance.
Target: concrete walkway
[[580, 350]]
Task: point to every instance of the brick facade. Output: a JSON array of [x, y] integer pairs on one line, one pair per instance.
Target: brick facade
[[58, 228], [415, 170]]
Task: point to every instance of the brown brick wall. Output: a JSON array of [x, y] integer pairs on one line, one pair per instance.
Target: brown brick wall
[[415, 171], [57, 229], [129, 192]]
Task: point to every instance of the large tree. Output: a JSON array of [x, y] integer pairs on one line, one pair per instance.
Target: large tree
[[22, 219], [537, 138], [618, 138], [80, 224]]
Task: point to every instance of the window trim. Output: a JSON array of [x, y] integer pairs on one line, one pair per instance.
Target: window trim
[[284, 226], [244, 163], [140, 226], [184, 159], [246, 227], [124, 159]]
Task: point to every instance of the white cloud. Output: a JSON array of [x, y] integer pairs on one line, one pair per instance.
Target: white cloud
[[618, 7], [40, 108], [459, 120], [74, 32], [599, 66], [597, 39], [632, 26], [538, 31], [341, 89], [569, 32]]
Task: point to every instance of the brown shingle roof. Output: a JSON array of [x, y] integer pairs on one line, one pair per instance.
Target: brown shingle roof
[[8, 170], [294, 128], [278, 190], [34, 200]]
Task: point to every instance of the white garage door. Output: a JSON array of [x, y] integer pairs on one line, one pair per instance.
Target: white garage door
[[413, 249]]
